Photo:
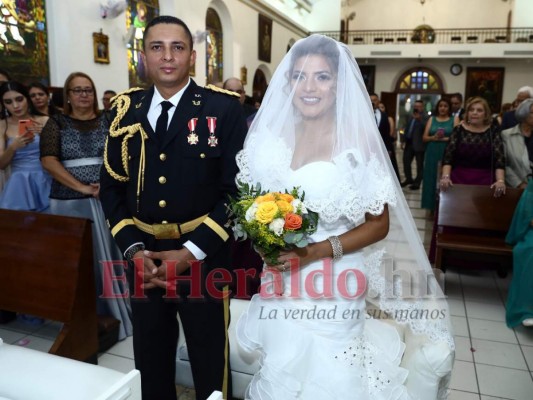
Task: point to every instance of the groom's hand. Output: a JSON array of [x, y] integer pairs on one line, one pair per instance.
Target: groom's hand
[[177, 259]]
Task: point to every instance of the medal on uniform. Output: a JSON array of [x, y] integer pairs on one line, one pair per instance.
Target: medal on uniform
[[192, 137], [212, 141]]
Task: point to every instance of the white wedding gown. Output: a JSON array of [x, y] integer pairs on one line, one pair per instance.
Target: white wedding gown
[[322, 348]]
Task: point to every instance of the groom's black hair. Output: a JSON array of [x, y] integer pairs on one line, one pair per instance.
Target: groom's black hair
[[167, 19]]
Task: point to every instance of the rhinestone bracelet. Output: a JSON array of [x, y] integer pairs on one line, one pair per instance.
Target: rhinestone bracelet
[[336, 246]]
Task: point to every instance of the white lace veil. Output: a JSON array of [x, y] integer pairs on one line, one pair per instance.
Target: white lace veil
[[404, 285]]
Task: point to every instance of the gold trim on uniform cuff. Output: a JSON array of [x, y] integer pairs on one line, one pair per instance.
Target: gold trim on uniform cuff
[[217, 228], [125, 222]]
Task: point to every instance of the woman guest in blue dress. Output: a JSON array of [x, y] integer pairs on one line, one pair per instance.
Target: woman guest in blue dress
[[28, 186], [72, 149], [519, 307]]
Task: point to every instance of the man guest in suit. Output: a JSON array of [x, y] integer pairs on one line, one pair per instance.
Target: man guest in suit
[[456, 101], [413, 146], [168, 171], [382, 120]]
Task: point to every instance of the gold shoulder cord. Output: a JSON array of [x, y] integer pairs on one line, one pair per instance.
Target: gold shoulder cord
[[220, 90], [122, 102]]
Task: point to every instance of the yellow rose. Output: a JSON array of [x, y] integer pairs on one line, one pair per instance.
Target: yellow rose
[[266, 211], [286, 196], [266, 197], [284, 206]]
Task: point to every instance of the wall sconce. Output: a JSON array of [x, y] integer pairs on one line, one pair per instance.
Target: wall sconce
[[422, 2], [244, 75]]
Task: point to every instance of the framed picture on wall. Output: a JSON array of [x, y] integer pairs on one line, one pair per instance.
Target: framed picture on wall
[[264, 38], [485, 82], [101, 48], [369, 76]]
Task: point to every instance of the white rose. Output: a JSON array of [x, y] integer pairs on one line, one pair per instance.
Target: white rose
[[250, 213], [276, 226], [298, 206]]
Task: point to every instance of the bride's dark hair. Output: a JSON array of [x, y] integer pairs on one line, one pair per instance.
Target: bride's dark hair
[[317, 45]]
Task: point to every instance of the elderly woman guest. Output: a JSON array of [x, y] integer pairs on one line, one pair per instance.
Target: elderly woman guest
[[436, 136], [475, 153], [28, 186], [40, 97], [72, 147], [519, 147]]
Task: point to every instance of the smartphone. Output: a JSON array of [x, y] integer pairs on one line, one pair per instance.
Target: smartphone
[[24, 124]]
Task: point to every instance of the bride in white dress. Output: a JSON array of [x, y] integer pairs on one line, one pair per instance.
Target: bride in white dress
[[318, 339]]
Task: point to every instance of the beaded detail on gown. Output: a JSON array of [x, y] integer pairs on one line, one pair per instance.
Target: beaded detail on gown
[[28, 187], [322, 348]]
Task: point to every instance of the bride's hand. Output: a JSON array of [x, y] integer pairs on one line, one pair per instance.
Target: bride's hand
[[298, 257]]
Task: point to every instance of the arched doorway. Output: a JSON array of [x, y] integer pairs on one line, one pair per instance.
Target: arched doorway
[[420, 83], [214, 47]]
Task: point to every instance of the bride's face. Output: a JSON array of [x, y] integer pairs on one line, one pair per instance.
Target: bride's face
[[315, 85]]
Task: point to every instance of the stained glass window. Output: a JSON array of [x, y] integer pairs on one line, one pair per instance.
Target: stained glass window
[[420, 80], [213, 47], [23, 42], [138, 14]]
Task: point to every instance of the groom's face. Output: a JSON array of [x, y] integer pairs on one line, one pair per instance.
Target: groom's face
[[315, 84]]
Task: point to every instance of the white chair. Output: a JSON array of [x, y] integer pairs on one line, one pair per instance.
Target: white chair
[[27, 374]]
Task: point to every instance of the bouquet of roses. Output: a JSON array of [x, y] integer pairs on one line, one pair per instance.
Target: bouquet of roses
[[274, 221]]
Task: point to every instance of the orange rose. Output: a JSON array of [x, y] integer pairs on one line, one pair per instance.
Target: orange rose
[[293, 222]]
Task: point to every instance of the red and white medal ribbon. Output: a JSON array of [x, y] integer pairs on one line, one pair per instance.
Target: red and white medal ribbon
[[212, 141], [192, 137]]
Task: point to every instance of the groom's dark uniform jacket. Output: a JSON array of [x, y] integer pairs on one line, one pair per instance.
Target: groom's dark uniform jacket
[[163, 191]]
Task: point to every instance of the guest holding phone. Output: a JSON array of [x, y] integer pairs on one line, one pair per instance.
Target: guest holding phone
[[28, 186]]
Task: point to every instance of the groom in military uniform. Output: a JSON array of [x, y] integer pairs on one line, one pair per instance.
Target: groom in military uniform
[[168, 171]]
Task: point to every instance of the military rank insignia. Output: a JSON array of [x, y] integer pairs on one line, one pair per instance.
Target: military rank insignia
[[192, 137], [212, 141]]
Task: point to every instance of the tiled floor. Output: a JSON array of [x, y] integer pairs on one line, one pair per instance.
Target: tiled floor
[[492, 361]]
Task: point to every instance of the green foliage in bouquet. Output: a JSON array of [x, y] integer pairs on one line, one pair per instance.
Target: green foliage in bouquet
[[274, 221]]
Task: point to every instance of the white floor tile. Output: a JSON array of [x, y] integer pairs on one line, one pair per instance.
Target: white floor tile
[[457, 307], [9, 336], [423, 224], [19, 326], [124, 348], [464, 377], [120, 364], [499, 354], [418, 212], [525, 335], [478, 278], [482, 294], [504, 382], [493, 312], [493, 398], [460, 326], [453, 290], [50, 330], [36, 343], [458, 395], [463, 350], [491, 330], [528, 354]]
